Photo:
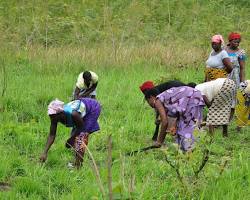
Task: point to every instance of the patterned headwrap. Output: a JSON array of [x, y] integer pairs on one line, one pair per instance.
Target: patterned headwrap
[[146, 86], [233, 36], [218, 39], [245, 86], [55, 107], [245, 89]]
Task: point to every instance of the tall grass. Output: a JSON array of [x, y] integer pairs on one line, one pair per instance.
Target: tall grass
[[89, 23], [37, 76]]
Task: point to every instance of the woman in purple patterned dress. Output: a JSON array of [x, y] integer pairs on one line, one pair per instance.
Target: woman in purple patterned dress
[[184, 103]]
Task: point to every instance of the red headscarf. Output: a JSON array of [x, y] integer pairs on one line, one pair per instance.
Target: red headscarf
[[233, 36], [147, 85]]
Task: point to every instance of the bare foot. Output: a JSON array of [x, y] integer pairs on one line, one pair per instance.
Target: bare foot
[[238, 129]]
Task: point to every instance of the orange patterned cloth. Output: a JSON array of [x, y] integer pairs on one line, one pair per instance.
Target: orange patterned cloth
[[81, 141], [214, 73], [172, 125]]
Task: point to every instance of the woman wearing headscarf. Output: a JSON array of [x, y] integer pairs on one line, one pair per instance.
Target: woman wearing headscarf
[[218, 95], [185, 104], [82, 116], [147, 85], [218, 62], [243, 105], [237, 57]]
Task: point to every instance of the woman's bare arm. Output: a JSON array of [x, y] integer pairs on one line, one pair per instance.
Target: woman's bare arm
[[164, 123]]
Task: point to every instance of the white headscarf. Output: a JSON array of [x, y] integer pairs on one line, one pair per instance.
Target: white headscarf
[[247, 89], [55, 106]]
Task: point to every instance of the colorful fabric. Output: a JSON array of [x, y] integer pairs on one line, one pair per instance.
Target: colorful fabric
[[219, 111], [89, 109], [235, 58], [245, 87], [77, 106], [215, 59], [186, 144], [80, 80], [234, 36], [172, 125], [213, 73], [186, 103], [242, 110], [55, 107], [147, 86], [81, 141], [217, 39]]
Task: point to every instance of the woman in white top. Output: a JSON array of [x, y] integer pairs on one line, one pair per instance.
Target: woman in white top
[[218, 62], [86, 85], [218, 96]]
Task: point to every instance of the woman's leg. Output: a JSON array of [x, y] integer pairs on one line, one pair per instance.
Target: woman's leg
[[79, 159], [211, 129], [232, 114], [224, 132], [238, 129], [81, 142]]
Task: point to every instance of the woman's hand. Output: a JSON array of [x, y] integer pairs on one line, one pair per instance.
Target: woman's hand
[[228, 65], [43, 157], [157, 144]]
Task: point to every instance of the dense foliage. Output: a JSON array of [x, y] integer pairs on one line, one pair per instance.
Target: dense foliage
[[86, 22]]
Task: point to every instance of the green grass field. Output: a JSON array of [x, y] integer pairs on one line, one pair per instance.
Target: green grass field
[[46, 44], [35, 79]]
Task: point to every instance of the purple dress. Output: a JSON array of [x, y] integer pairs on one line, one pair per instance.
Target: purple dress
[[90, 113], [186, 104]]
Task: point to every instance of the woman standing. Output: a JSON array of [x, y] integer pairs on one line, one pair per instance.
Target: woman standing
[[218, 62], [237, 57], [185, 104]]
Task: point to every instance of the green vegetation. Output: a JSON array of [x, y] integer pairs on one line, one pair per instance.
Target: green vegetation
[[45, 44], [88, 23]]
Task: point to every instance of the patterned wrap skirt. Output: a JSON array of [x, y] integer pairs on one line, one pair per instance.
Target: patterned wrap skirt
[[214, 73], [219, 111], [81, 141], [186, 104]]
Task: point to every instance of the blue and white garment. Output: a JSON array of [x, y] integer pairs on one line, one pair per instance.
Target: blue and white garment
[[89, 109], [235, 58], [76, 105]]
